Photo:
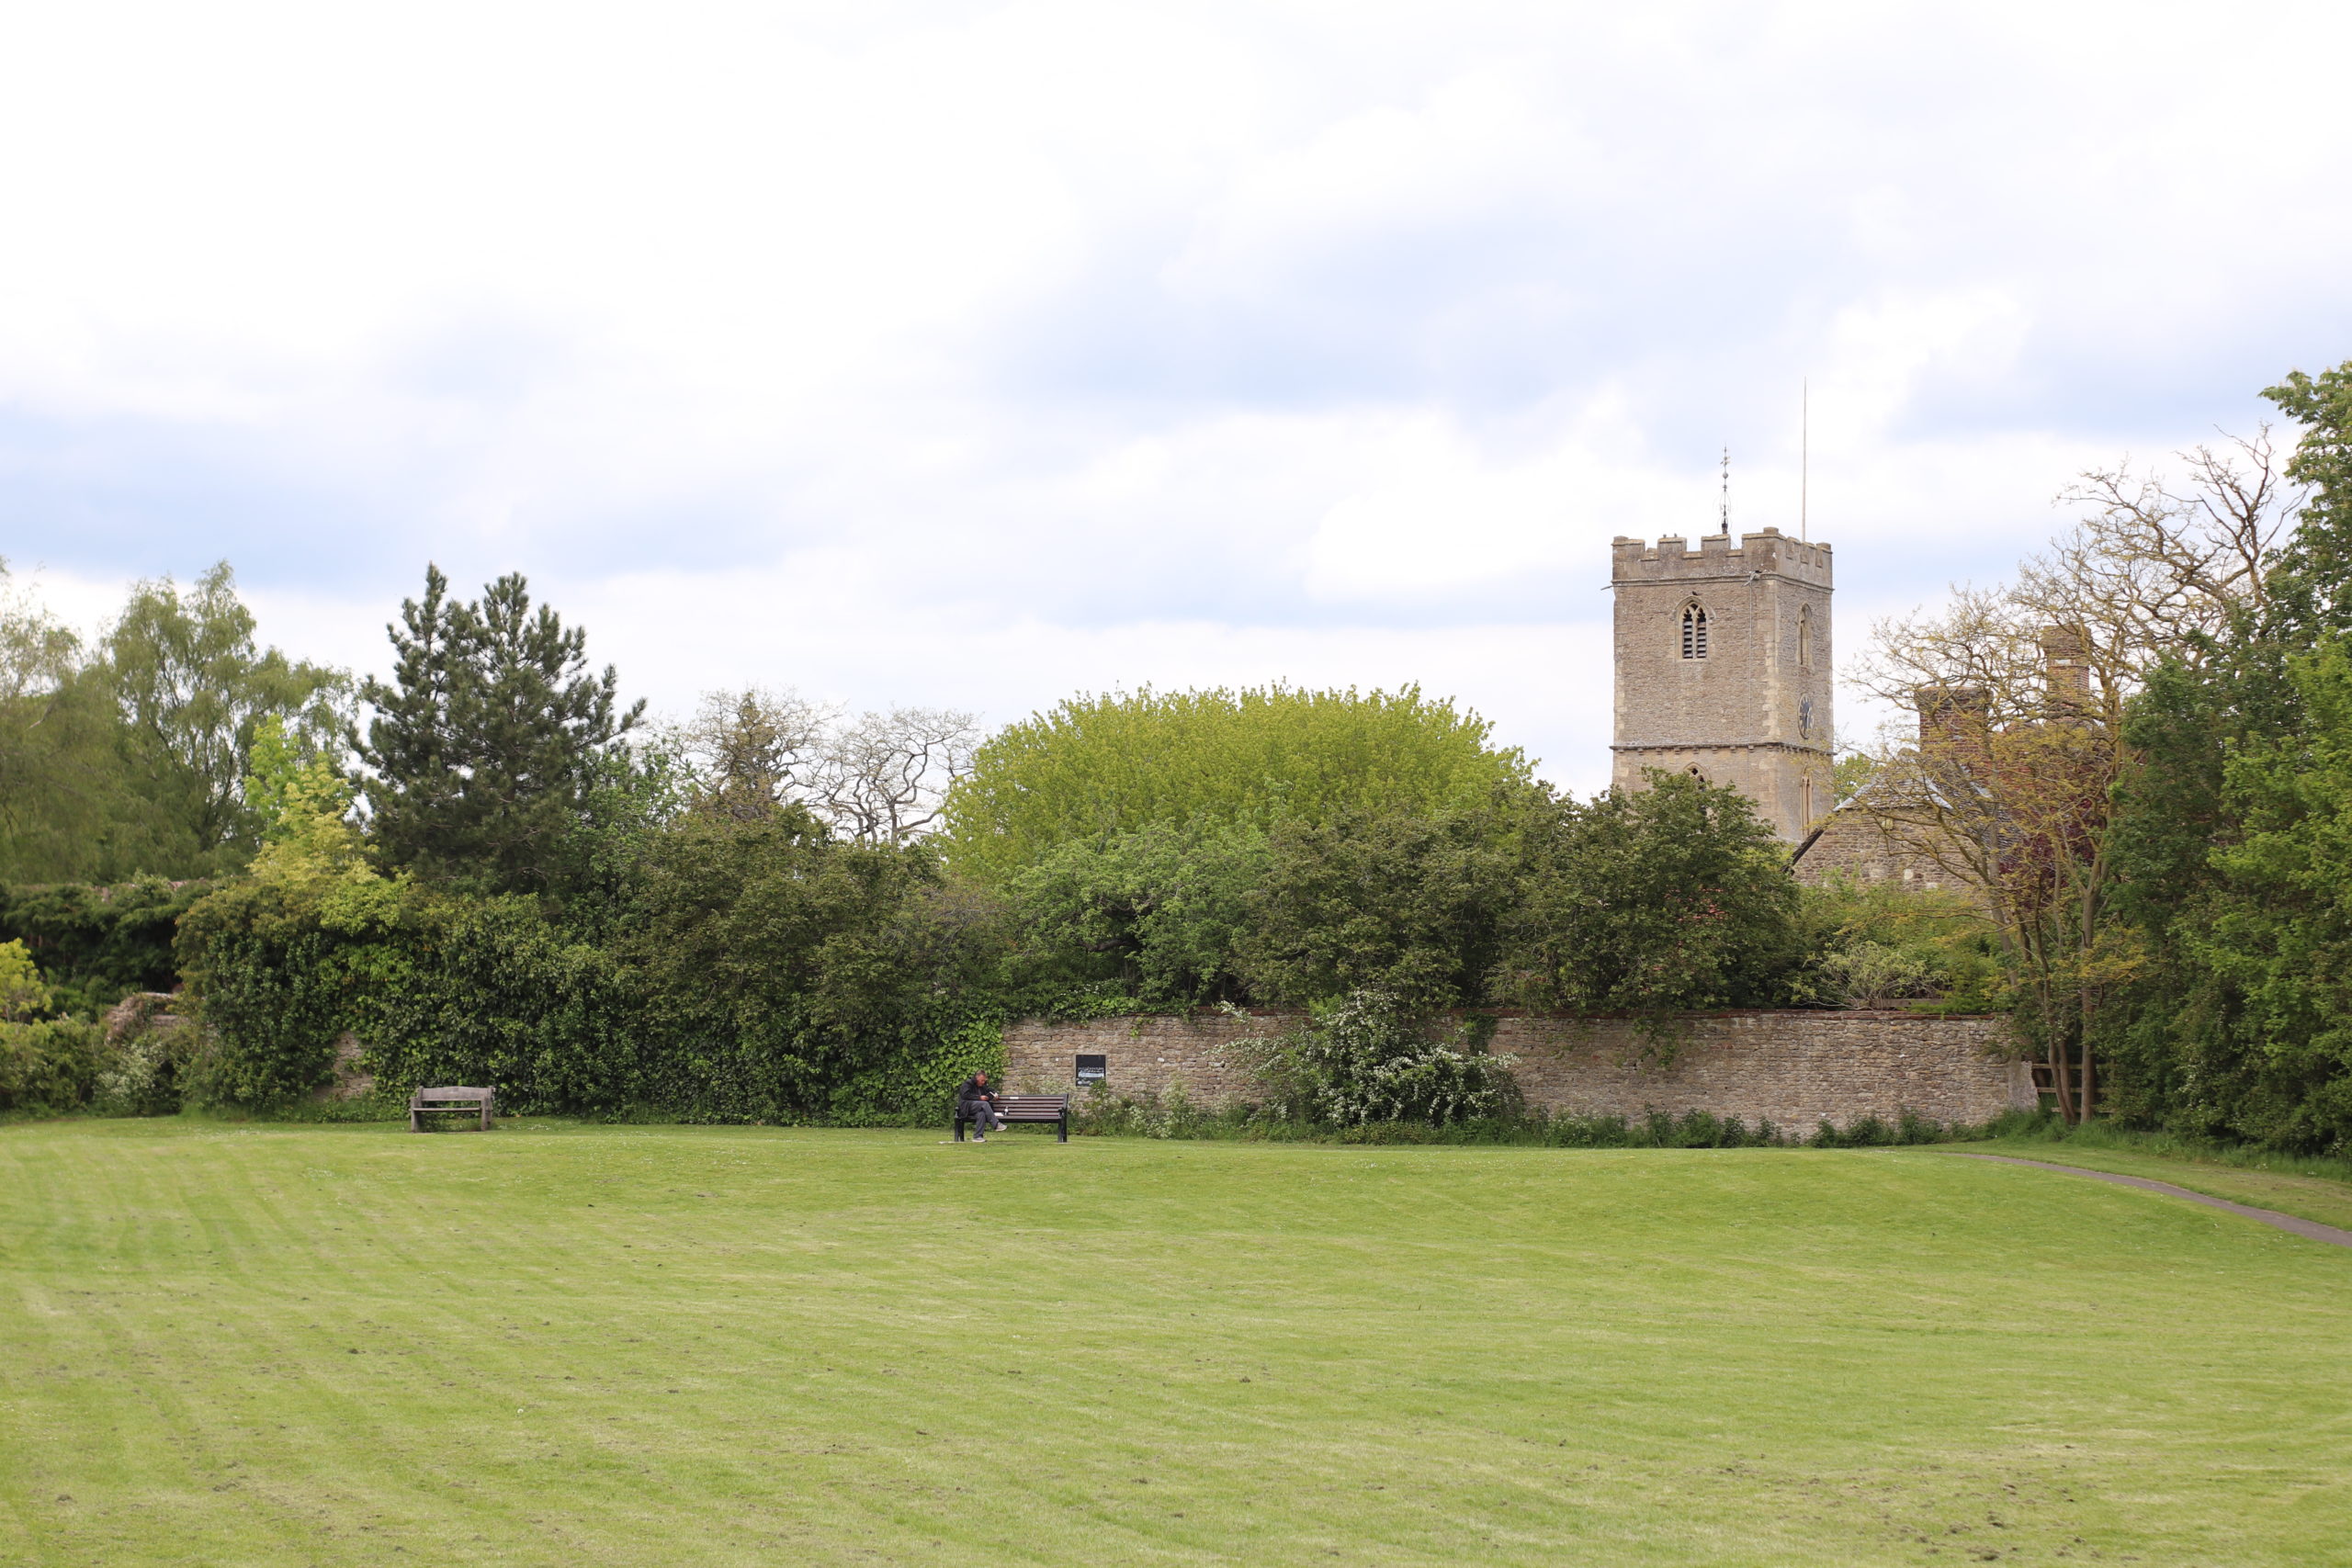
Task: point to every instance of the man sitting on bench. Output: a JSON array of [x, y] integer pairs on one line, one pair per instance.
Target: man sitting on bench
[[977, 1104]]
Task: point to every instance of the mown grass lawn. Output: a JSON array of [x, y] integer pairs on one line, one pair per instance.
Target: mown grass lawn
[[2329, 1202], [266, 1344]]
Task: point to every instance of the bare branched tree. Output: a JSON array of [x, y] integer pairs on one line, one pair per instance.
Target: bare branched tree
[[881, 777], [753, 750], [2152, 571], [885, 778], [2021, 692]]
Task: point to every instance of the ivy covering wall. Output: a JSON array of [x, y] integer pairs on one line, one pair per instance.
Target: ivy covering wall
[[755, 975]]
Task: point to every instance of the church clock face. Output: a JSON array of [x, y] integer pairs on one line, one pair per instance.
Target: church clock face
[[1804, 719]]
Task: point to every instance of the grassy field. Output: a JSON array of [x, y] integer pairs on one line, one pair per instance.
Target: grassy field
[[2328, 1202], [256, 1345]]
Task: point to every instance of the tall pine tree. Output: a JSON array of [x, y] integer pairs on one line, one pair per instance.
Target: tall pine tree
[[490, 738]]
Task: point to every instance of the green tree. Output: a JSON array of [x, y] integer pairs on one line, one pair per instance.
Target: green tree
[[2314, 575], [490, 743], [194, 688], [1652, 902], [62, 804], [2231, 733], [1111, 764], [1161, 913], [129, 758], [22, 994], [1410, 904], [2275, 929], [790, 960]]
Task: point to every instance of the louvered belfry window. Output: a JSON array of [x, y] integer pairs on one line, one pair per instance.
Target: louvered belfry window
[[1694, 632]]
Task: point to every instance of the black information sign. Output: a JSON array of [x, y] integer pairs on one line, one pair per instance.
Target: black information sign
[[1092, 1069]]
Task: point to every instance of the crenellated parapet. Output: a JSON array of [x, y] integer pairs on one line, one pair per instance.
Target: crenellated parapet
[[1717, 555]]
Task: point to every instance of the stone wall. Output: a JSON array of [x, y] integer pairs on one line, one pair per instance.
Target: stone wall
[[1853, 845], [1795, 1069]]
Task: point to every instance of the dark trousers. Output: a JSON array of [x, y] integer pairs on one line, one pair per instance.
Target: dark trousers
[[982, 1115]]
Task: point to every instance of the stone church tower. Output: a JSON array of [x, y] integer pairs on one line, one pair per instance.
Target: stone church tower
[[1724, 668]]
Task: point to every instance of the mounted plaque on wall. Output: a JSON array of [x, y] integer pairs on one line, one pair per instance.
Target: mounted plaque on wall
[[1092, 1069]]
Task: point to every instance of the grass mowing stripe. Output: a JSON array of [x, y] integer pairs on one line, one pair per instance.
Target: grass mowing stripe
[[649, 1345]]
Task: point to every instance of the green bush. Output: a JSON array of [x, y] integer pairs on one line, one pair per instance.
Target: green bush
[[1879, 945], [1653, 903], [1372, 1058], [1873, 1132], [97, 945], [914, 1089], [1407, 904], [1872, 974], [280, 966], [491, 992], [1162, 914], [149, 1056], [759, 973], [52, 1065]]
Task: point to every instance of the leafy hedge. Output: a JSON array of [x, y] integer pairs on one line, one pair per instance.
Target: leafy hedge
[[97, 945], [763, 970], [762, 974], [51, 1066]]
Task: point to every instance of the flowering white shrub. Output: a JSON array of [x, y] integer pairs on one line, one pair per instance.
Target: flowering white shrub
[[1368, 1058]]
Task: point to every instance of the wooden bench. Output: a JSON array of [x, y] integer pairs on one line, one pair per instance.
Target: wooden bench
[[464, 1101], [1054, 1108]]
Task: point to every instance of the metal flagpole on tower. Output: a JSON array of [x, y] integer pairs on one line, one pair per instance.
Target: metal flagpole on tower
[[1804, 456], [1726, 522]]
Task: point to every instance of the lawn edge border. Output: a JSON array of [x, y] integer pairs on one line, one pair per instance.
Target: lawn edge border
[[2313, 1229]]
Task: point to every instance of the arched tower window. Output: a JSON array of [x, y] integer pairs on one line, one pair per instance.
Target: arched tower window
[[1694, 632], [1805, 637]]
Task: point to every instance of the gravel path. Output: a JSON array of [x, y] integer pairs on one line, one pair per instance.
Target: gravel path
[[2311, 1228]]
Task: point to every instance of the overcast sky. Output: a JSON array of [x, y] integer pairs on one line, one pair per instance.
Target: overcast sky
[[979, 354]]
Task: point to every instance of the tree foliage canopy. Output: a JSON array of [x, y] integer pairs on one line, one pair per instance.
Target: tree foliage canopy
[[1654, 901], [128, 758], [194, 690], [488, 743], [2232, 844], [1640, 902], [1111, 764]]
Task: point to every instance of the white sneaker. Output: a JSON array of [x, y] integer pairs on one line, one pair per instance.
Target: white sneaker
[[980, 1137]]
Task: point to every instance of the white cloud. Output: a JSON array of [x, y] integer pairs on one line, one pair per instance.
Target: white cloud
[[977, 351]]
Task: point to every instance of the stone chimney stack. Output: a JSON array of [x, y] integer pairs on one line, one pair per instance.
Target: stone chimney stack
[[1950, 717], [2067, 680]]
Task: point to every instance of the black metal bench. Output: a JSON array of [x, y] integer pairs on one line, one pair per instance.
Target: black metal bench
[[464, 1101], [1054, 1108]]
